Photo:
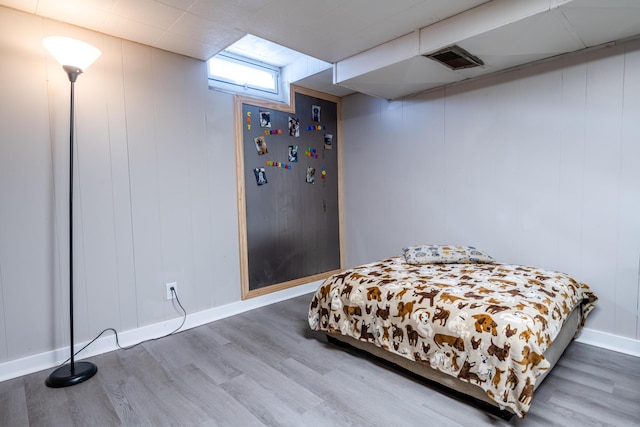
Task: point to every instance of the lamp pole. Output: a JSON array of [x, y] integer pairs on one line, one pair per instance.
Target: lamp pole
[[71, 373]]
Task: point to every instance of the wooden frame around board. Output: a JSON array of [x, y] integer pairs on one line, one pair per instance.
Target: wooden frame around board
[[240, 123]]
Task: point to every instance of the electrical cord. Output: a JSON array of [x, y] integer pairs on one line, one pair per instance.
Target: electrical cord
[[115, 332]]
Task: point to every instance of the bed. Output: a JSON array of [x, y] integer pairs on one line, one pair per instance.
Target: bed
[[453, 315]]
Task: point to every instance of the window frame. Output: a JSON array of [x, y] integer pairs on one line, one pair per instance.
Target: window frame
[[247, 88]]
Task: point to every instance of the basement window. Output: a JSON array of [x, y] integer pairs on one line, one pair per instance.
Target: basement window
[[239, 74]]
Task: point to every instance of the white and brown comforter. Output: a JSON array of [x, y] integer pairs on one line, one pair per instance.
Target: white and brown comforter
[[487, 324]]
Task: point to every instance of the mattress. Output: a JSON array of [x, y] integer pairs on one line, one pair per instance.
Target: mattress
[[489, 325]]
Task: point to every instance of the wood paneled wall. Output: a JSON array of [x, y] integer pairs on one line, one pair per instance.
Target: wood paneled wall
[[536, 166], [155, 201]]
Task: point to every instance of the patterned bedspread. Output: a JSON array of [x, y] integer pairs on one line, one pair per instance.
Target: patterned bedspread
[[487, 324]]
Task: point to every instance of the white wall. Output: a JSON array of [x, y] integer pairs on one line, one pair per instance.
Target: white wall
[[536, 166], [155, 195]]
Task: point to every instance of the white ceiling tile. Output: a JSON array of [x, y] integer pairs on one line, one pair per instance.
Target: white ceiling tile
[[400, 18], [229, 12], [24, 5], [334, 30], [88, 14], [431, 11], [147, 12], [186, 46], [192, 29], [178, 4], [131, 30], [199, 50], [386, 54], [196, 28], [263, 50], [322, 82], [403, 78], [104, 5], [515, 39], [598, 22]]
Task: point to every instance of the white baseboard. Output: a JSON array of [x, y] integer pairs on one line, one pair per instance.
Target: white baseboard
[[50, 359], [47, 360], [610, 342]]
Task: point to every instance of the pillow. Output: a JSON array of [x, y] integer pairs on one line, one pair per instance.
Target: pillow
[[441, 254]]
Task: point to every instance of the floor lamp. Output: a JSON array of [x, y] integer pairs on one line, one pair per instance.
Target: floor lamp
[[75, 57]]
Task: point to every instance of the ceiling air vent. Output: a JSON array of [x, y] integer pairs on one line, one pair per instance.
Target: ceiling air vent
[[455, 58]]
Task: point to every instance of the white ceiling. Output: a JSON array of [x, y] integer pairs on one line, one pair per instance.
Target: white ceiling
[[375, 45]]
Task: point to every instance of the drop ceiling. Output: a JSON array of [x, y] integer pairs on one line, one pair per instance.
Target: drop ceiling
[[375, 46]]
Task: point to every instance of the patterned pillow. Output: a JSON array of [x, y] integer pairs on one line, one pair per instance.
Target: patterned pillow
[[441, 254]]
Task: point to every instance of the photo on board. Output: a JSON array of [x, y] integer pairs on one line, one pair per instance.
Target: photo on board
[[311, 174], [328, 141], [261, 145], [261, 176], [265, 119], [293, 153], [294, 126]]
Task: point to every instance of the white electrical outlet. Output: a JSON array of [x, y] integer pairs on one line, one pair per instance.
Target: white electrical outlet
[[171, 295]]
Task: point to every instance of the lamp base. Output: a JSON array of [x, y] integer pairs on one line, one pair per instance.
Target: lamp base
[[64, 377]]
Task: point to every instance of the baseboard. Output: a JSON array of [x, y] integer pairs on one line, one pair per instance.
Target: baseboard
[[105, 344], [610, 342], [47, 360]]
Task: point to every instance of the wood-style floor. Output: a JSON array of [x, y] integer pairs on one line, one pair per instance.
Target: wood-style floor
[[265, 367]]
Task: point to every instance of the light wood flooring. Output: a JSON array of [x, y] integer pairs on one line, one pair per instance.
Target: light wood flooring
[[265, 367]]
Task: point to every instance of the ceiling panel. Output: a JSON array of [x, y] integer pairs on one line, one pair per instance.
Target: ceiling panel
[[232, 13], [322, 82], [512, 45], [200, 29], [131, 30], [264, 51], [148, 12], [179, 4], [503, 33], [215, 40], [333, 30], [599, 22], [89, 14], [552, 37], [527, 32], [24, 5], [410, 76]]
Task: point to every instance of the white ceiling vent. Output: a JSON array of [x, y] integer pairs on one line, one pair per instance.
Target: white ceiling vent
[[455, 58]]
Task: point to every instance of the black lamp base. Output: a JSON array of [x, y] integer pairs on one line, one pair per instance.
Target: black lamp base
[[64, 377]]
